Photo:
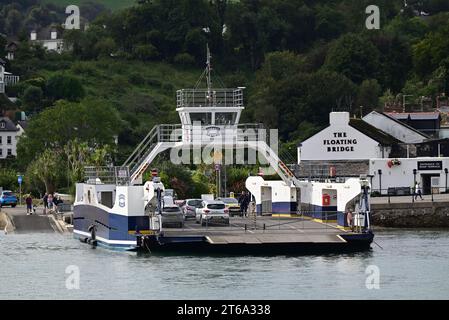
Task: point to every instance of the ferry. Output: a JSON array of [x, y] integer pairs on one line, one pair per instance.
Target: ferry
[[115, 208]]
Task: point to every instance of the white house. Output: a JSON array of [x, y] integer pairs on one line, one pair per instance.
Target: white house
[[394, 127], [9, 134], [346, 139], [49, 38]]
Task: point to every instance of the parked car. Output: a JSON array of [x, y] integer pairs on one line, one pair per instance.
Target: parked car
[[212, 211], [172, 216], [189, 208], [8, 198], [232, 204]]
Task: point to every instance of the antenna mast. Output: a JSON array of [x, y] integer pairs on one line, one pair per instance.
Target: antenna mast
[[208, 74]]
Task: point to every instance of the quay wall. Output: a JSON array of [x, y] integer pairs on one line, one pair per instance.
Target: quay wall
[[411, 215]]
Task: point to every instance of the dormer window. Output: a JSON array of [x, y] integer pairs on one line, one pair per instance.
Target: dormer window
[[2, 125]]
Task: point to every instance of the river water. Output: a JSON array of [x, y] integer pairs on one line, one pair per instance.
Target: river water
[[413, 264]]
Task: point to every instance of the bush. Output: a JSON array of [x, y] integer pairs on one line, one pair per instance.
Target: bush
[[146, 52], [32, 98], [167, 88], [184, 59], [62, 86], [136, 78]]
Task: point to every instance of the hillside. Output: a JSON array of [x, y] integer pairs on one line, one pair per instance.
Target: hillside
[[109, 4]]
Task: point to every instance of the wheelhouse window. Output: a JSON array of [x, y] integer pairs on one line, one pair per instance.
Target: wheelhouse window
[[204, 117], [225, 118]]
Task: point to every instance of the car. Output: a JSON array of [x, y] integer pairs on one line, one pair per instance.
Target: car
[[233, 205], [8, 198], [189, 208], [172, 216], [212, 211]]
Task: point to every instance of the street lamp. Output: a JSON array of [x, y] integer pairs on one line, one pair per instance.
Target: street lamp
[[380, 180], [446, 171]]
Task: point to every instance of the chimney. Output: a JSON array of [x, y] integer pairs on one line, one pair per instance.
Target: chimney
[[54, 35]]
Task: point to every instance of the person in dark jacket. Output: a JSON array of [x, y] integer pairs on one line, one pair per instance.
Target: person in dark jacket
[[45, 201], [29, 203], [243, 201]]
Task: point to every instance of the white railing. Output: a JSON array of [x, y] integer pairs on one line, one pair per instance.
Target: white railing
[[213, 98], [11, 80]]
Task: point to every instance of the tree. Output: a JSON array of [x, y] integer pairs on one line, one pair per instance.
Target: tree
[[47, 168], [91, 121], [13, 22], [353, 56], [368, 95], [32, 98], [64, 86]]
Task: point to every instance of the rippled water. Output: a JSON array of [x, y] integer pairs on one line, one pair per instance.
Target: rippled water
[[413, 264]]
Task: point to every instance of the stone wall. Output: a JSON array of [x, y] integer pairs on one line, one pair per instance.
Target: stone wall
[[411, 215], [343, 168]]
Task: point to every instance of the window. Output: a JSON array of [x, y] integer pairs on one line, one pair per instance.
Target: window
[[2, 124], [9, 152], [8, 140], [1, 152], [225, 118], [205, 118], [1, 139]]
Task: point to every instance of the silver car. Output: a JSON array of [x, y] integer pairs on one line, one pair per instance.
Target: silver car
[[212, 211], [172, 216], [189, 208]]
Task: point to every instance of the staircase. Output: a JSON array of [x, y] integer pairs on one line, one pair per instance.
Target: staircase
[[156, 141], [163, 137]]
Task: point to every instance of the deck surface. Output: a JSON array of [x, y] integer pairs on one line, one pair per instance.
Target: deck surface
[[277, 230]]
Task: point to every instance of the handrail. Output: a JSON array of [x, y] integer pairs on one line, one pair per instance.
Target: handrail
[[127, 162]]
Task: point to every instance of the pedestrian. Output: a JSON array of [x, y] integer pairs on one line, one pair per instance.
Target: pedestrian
[[418, 191], [45, 201], [243, 201], [50, 202], [29, 203]]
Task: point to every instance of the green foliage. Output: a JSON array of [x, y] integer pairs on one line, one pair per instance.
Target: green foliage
[[8, 179], [63, 86], [32, 98], [93, 122], [368, 95], [354, 57]]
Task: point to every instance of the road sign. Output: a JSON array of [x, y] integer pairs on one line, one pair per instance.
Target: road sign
[[19, 179]]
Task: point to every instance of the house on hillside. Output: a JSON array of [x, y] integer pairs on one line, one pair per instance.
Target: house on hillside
[[11, 49], [9, 135], [50, 38], [6, 78]]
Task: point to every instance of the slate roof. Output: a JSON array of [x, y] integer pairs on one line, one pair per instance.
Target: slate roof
[[9, 125], [376, 134], [414, 115]]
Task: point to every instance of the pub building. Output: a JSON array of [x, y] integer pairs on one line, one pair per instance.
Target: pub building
[[392, 154]]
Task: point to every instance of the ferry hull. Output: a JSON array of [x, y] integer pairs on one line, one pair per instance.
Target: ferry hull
[[200, 245]]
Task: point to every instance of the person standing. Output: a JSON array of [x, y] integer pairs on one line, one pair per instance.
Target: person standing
[[45, 201], [243, 201], [29, 203], [50, 202], [418, 191]]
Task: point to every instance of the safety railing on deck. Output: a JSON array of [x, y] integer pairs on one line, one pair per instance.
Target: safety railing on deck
[[285, 222], [190, 98], [409, 195], [106, 175]]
